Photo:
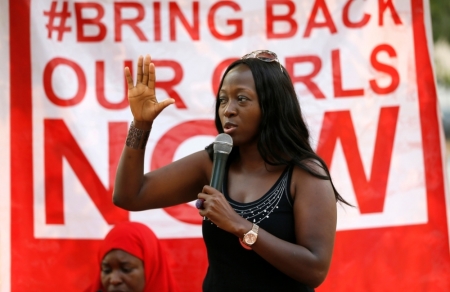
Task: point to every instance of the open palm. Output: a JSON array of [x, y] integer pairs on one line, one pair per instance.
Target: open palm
[[142, 98]]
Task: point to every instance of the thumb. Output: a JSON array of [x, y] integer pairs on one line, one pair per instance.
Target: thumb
[[165, 103]]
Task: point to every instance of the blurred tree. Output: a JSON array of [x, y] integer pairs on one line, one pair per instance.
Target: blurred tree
[[440, 19]]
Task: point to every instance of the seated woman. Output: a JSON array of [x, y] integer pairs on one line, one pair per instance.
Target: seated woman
[[131, 259]]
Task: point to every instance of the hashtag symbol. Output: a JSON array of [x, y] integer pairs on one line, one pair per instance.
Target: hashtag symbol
[[62, 15]]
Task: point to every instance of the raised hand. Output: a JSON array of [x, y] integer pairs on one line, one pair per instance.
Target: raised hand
[[143, 103]]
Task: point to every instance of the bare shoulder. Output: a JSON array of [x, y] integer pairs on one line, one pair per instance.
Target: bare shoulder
[[199, 158], [305, 185]]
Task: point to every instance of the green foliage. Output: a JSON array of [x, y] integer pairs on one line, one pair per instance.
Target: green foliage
[[440, 19]]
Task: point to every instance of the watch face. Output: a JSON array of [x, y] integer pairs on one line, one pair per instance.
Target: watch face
[[250, 238]]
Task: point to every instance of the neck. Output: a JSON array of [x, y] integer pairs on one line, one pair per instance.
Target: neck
[[249, 157], [250, 160]]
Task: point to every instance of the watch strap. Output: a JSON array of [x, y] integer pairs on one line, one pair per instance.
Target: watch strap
[[255, 228], [244, 245]]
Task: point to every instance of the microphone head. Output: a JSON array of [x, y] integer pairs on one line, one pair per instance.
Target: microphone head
[[223, 143]]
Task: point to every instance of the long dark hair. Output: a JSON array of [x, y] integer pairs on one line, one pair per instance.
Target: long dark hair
[[284, 135]]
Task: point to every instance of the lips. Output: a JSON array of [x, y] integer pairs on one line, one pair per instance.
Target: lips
[[229, 127]]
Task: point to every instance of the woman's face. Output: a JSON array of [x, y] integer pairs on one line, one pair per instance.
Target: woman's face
[[239, 109], [122, 272]]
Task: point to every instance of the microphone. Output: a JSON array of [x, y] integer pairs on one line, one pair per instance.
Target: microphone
[[222, 145]]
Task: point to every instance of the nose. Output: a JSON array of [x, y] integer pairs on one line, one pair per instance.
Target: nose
[[115, 278], [230, 109]]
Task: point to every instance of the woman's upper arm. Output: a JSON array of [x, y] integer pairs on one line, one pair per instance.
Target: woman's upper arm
[[315, 215], [176, 183]]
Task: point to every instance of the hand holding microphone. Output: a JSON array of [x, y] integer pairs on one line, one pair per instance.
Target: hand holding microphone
[[222, 146]]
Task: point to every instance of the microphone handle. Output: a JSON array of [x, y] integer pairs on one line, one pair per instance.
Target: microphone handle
[[218, 170]]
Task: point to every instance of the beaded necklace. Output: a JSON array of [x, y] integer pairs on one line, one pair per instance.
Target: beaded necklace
[[261, 209]]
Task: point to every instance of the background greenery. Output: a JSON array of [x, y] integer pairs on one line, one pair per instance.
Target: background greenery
[[440, 19]]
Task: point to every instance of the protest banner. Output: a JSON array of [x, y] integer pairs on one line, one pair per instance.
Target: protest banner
[[363, 74]]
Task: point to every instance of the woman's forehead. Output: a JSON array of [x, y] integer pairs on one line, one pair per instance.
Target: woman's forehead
[[239, 75], [120, 254]]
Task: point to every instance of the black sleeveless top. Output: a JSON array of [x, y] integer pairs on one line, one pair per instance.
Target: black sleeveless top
[[233, 268]]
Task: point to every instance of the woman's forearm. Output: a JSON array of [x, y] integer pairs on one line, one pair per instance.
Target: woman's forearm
[[130, 171], [307, 266]]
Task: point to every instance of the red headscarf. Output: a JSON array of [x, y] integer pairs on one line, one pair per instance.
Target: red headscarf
[[138, 240]]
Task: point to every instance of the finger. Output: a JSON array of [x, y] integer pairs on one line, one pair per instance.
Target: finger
[[147, 62], [139, 70], [200, 203], [151, 78], [203, 196], [129, 78], [209, 190], [202, 212]]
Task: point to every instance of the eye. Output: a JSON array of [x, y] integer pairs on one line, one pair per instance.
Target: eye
[[242, 98], [106, 270], [126, 269], [222, 99]]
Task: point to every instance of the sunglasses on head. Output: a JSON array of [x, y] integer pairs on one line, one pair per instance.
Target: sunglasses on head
[[263, 55]]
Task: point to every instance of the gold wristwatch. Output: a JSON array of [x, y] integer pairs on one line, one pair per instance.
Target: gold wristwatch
[[250, 237]]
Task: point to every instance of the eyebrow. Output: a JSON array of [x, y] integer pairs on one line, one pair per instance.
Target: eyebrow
[[120, 262], [239, 88]]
